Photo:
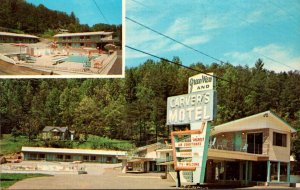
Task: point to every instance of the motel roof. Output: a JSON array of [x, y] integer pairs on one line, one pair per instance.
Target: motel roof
[[73, 151], [270, 119], [83, 34], [17, 35]]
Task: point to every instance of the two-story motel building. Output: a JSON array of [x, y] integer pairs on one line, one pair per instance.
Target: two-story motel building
[[84, 39], [255, 149]]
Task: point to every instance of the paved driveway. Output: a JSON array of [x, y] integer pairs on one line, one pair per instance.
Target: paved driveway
[[109, 179]]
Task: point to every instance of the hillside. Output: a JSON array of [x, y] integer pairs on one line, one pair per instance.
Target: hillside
[[21, 17], [134, 108]]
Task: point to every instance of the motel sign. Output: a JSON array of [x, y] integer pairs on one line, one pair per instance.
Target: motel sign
[[197, 108], [189, 108]]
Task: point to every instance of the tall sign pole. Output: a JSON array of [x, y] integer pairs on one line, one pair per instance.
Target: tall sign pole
[[197, 108]]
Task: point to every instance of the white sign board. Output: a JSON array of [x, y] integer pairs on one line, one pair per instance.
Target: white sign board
[[202, 82], [189, 108]]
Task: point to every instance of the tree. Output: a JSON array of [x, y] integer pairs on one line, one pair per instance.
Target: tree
[[86, 116]]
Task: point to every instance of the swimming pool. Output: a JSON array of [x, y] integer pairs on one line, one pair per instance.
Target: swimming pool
[[77, 58]]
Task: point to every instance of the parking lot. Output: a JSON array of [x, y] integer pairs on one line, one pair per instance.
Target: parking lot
[[99, 176]]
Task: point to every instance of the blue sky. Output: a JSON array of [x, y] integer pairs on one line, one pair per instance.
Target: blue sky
[[86, 10], [237, 31]]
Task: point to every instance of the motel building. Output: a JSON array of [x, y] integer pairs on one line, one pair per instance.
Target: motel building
[[84, 39], [254, 150], [71, 155], [8, 37]]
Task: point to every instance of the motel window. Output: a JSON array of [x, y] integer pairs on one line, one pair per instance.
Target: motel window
[[93, 158], [42, 156], [68, 157], [85, 158], [32, 156], [279, 139], [59, 157], [109, 160], [64, 38]]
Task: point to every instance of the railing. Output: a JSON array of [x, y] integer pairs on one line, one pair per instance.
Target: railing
[[166, 159], [247, 148]]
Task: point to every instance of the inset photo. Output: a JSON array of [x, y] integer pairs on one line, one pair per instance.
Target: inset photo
[[61, 39]]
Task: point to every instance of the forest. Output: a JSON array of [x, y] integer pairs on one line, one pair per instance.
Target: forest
[[134, 108], [21, 17]]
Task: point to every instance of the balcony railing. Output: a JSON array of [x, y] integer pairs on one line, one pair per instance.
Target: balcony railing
[[247, 148], [166, 159]]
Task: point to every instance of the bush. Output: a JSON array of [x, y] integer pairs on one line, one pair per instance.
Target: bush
[[58, 144], [96, 142]]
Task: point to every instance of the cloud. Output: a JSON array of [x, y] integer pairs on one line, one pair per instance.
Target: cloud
[[275, 57], [211, 23], [181, 26]]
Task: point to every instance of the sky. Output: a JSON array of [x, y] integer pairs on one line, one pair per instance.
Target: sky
[[86, 10], [234, 31]]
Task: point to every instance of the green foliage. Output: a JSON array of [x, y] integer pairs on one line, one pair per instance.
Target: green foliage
[[22, 17], [134, 108], [96, 142], [58, 144], [8, 179], [10, 144], [48, 33]]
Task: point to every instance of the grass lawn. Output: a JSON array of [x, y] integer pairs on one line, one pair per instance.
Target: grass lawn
[[8, 179], [10, 145]]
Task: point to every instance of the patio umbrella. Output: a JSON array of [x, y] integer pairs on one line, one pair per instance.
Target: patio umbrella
[[20, 45]]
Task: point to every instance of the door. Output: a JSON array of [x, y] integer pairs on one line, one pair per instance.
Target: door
[[255, 143], [237, 141]]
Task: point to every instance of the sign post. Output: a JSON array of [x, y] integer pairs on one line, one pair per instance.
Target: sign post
[[197, 108]]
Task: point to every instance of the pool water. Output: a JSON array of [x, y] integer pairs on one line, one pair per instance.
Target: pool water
[[77, 59]]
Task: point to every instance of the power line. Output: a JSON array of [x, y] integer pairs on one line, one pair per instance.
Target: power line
[[271, 59], [192, 69], [183, 44], [139, 3], [101, 12], [187, 46]]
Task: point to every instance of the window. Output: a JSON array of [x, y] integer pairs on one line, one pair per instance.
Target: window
[[59, 157], [279, 139], [42, 156], [68, 157], [93, 158], [85, 158], [109, 159]]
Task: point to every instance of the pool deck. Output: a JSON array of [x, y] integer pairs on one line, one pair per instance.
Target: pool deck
[[55, 63]]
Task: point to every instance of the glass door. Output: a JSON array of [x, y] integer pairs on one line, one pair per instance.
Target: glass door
[[255, 143]]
